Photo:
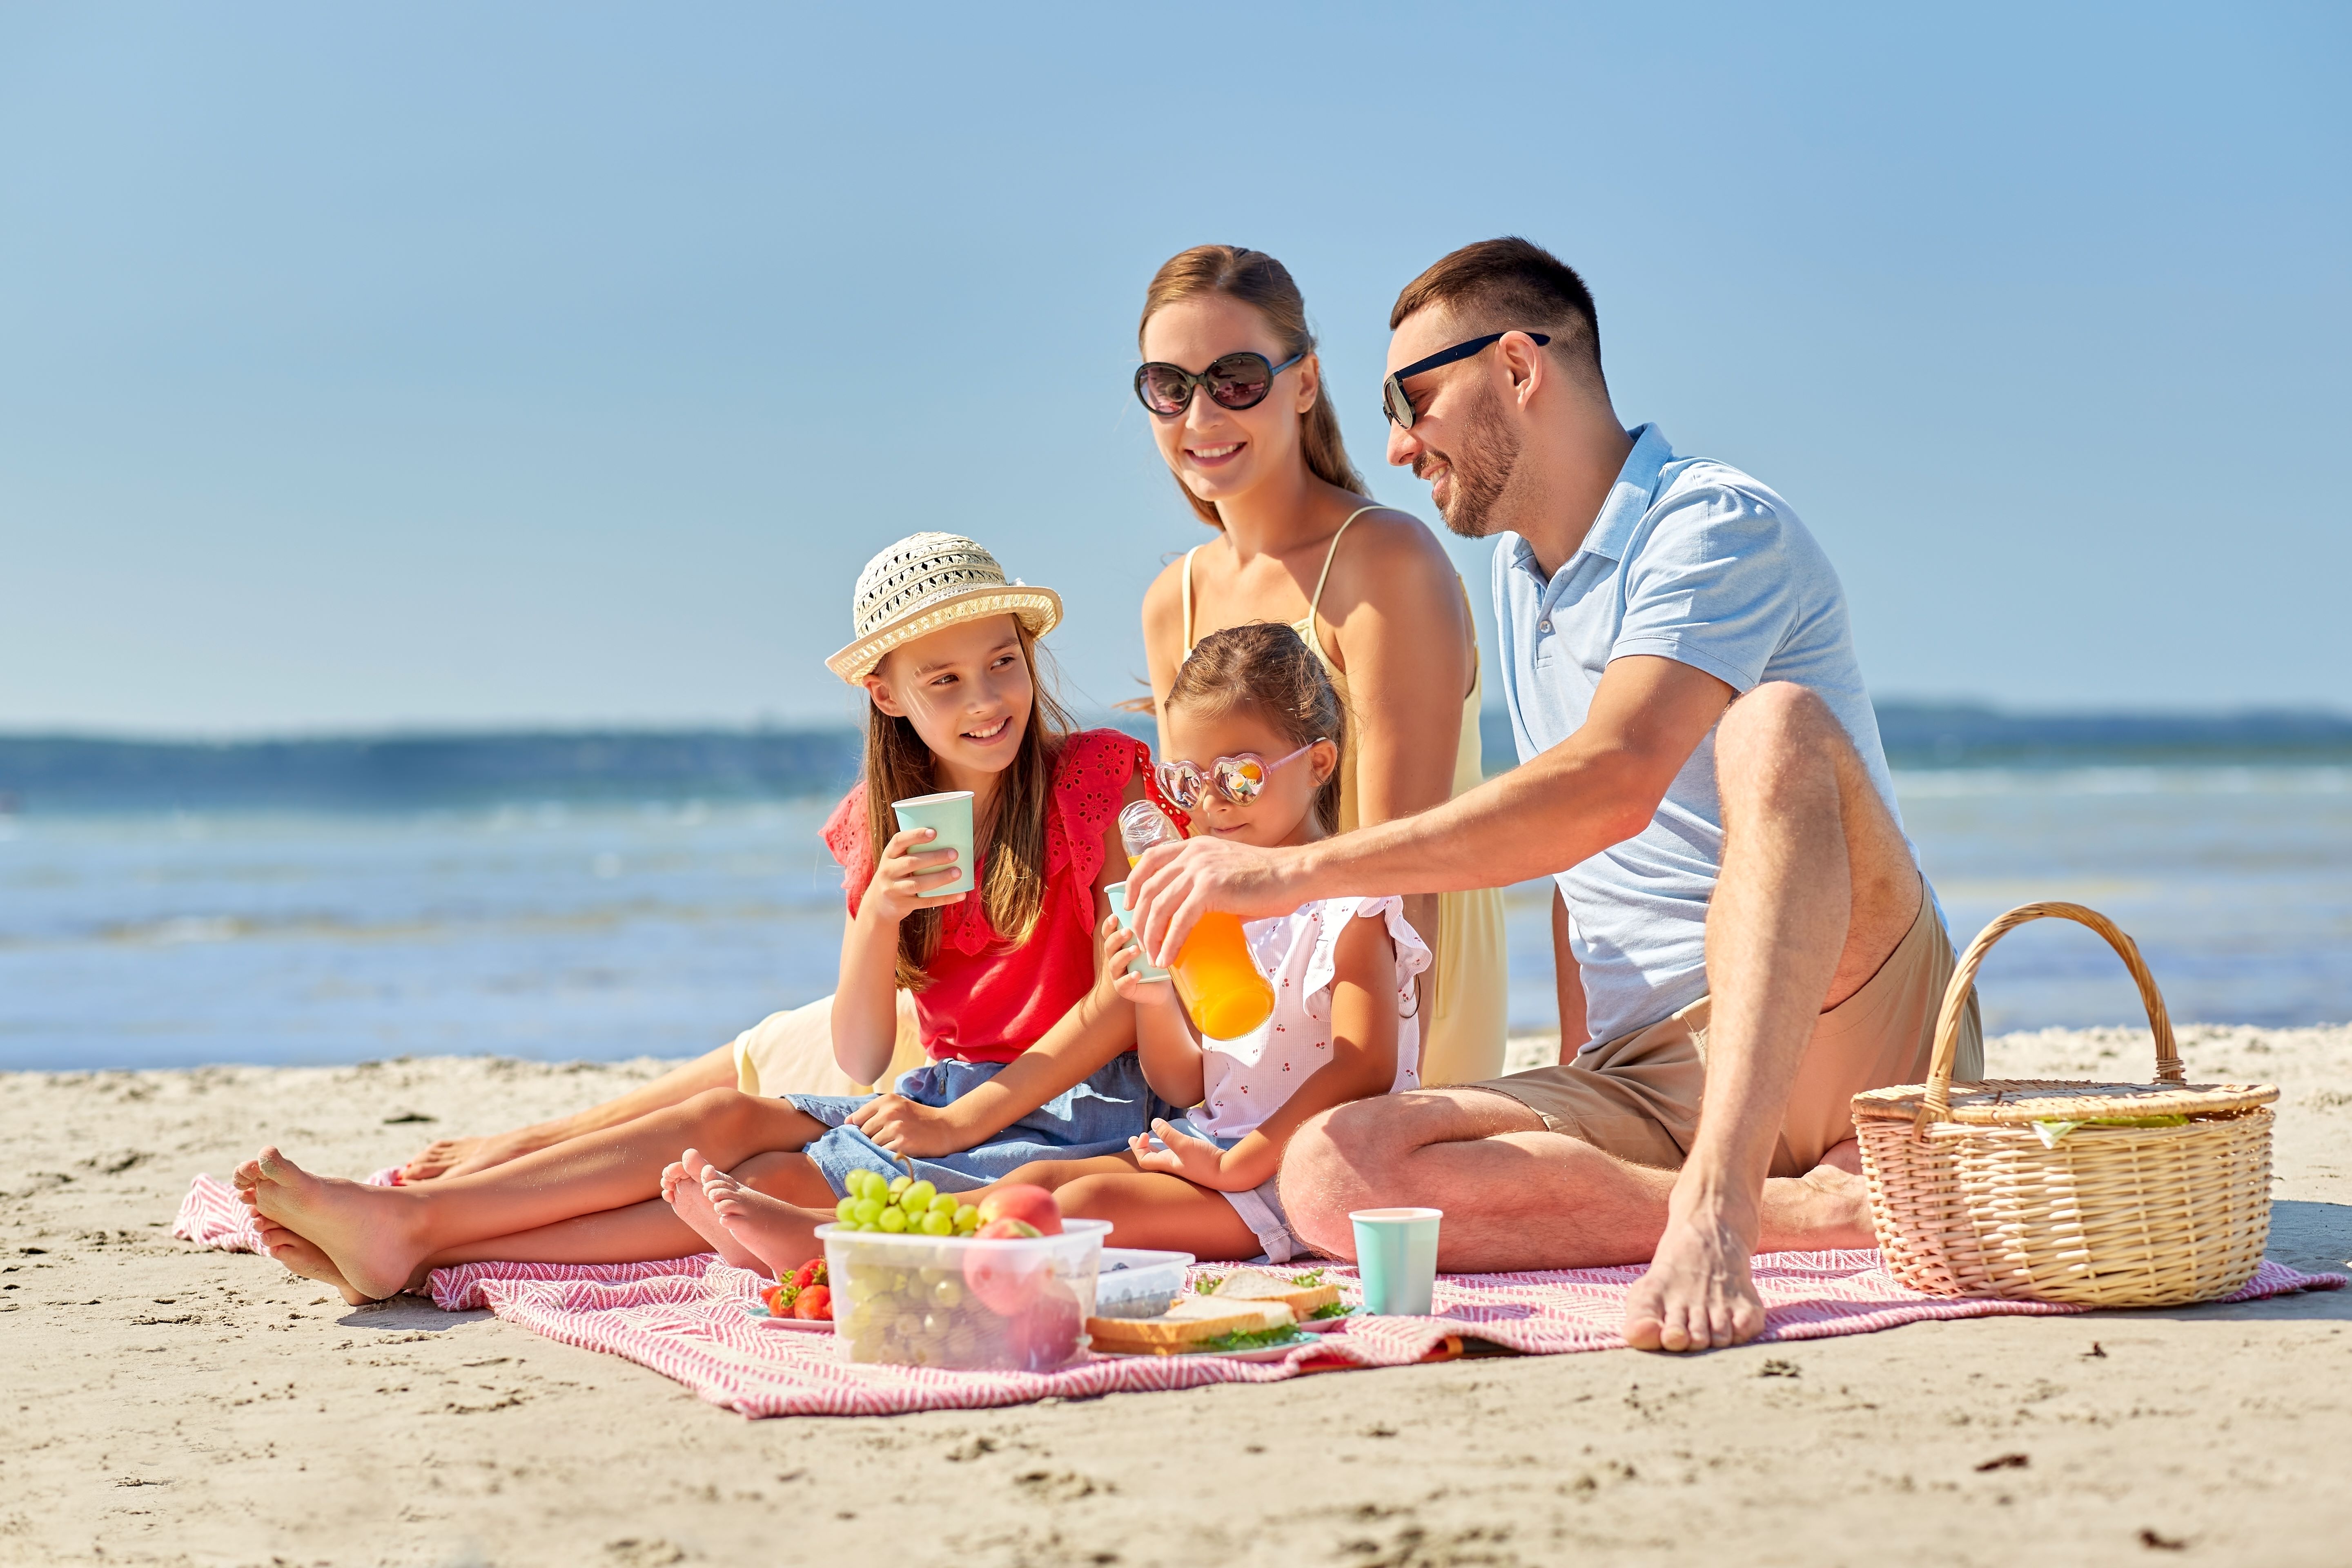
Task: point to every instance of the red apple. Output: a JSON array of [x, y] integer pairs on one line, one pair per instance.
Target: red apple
[[1034, 1207], [1008, 1229]]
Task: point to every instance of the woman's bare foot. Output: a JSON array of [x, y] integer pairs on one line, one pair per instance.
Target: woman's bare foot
[[1697, 1294], [446, 1157], [297, 1256], [681, 1188], [782, 1235], [367, 1233]]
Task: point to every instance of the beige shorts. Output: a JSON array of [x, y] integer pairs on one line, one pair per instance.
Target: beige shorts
[[791, 1052], [1637, 1097]]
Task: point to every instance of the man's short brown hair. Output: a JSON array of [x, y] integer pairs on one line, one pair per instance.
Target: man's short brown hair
[[1510, 285]]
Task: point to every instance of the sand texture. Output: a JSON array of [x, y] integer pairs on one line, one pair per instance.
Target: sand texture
[[164, 1404]]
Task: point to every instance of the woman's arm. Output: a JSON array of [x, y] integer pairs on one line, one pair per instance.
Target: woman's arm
[[1399, 626], [1163, 641], [1362, 1064]]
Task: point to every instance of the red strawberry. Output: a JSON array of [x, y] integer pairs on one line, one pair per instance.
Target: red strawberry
[[811, 1273], [816, 1302]]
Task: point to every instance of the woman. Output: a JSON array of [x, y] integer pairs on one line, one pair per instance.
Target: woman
[[1234, 391]]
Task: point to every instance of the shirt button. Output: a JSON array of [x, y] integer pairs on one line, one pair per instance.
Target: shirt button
[[1543, 626]]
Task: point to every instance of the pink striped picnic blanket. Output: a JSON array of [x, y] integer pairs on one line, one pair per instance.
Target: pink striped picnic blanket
[[687, 1319]]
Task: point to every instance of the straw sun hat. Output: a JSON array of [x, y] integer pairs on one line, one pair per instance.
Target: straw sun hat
[[927, 582]]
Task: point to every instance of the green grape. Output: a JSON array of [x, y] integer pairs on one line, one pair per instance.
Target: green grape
[[946, 1203], [948, 1294], [892, 1220], [899, 1183], [868, 1211], [846, 1211], [916, 1196], [937, 1224], [967, 1219], [868, 1184]]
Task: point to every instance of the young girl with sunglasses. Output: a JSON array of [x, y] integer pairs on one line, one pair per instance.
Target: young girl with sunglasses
[[1030, 1047], [1256, 729]]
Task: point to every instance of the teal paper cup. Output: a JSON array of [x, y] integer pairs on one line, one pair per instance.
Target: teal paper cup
[[949, 816], [1396, 1258], [1140, 967]]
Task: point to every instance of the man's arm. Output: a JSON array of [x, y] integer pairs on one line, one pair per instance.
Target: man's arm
[[1599, 787]]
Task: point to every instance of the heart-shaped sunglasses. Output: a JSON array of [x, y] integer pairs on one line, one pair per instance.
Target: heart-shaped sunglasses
[[1240, 778]]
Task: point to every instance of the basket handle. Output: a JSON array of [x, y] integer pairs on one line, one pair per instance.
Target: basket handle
[[1938, 1103]]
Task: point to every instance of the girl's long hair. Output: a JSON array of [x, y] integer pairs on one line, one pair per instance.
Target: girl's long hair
[[899, 765], [1265, 666], [1263, 284]]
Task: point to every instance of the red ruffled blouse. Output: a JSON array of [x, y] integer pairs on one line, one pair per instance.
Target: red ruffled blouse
[[988, 1002]]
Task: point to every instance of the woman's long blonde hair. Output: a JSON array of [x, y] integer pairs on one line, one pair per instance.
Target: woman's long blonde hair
[[1264, 285], [1012, 861]]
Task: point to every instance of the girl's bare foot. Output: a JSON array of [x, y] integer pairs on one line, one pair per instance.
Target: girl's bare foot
[[367, 1233], [299, 1257], [681, 1188], [782, 1235]]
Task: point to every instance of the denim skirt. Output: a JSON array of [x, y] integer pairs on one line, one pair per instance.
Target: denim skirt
[[1097, 1115]]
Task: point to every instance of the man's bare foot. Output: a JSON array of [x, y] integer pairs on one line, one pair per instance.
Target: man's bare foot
[[1697, 1295], [782, 1236], [299, 1257], [681, 1188], [365, 1232]]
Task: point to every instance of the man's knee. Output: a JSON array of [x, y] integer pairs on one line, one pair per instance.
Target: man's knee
[[1342, 1159], [1776, 719]]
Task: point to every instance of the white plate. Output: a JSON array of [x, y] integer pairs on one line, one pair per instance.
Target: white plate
[[1262, 1352], [1324, 1325], [766, 1319]]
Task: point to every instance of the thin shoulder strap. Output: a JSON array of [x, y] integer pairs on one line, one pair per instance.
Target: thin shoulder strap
[[1315, 605], [1188, 599]]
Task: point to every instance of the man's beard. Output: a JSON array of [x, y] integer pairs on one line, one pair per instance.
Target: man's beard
[[1484, 458]]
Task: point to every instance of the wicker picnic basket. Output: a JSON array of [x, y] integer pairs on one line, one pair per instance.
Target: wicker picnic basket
[[2028, 1188]]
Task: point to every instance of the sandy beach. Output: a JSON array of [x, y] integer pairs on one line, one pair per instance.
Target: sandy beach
[[170, 1405]]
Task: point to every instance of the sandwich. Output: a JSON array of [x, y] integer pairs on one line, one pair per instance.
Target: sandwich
[[1193, 1323], [1307, 1295]]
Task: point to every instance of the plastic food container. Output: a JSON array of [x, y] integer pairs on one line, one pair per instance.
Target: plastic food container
[[1133, 1283], [959, 1301]]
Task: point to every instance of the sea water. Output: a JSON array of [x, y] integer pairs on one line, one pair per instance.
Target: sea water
[[559, 931]]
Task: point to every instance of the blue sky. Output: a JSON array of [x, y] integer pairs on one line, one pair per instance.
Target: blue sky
[[477, 365]]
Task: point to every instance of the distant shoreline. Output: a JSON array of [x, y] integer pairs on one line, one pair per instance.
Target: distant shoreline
[[64, 773]]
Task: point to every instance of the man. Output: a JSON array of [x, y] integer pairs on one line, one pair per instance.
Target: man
[[1701, 772]]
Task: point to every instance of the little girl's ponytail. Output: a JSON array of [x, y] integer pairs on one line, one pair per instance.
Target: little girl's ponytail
[[1264, 666]]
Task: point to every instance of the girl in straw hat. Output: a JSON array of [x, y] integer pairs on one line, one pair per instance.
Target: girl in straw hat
[[1029, 1047]]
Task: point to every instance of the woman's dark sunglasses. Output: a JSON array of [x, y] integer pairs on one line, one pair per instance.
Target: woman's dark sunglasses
[[1400, 407], [1235, 381]]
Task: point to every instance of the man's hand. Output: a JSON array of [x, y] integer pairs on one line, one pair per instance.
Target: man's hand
[[1175, 884], [1180, 1154], [906, 1127]]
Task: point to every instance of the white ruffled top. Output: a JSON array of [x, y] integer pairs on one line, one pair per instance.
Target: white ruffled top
[[1248, 1079]]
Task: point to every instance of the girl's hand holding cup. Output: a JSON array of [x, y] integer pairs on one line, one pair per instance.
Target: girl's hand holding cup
[[1118, 951], [905, 877]]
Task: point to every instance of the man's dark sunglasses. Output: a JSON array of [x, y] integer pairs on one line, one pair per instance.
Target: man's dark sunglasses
[[1400, 406], [1235, 381]]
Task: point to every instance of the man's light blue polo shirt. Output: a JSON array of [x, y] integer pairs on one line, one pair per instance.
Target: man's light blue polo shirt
[[1695, 562]]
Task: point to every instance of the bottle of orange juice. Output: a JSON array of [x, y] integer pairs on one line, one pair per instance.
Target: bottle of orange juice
[[1216, 979]]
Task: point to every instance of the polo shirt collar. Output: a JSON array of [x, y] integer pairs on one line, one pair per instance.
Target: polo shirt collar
[[1630, 497]]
